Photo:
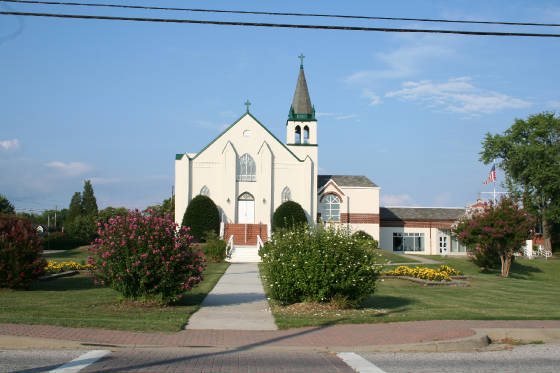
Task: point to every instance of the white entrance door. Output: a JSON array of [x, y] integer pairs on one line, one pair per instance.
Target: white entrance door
[[246, 210], [443, 245]]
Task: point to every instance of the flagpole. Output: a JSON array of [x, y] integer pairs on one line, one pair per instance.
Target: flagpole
[[494, 166]]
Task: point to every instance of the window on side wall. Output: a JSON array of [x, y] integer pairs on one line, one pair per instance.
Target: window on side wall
[[408, 241], [329, 206], [286, 195]]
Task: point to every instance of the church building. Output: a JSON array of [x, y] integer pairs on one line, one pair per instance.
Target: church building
[[248, 172]]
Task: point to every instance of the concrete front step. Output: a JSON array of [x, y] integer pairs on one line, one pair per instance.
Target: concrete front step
[[245, 254]]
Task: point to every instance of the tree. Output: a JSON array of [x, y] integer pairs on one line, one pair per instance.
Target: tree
[[287, 215], [111, 213], [89, 203], [5, 206], [529, 153], [75, 208], [201, 216], [166, 207], [499, 230]]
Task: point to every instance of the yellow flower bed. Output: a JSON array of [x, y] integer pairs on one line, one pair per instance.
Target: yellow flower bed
[[443, 273], [54, 267]]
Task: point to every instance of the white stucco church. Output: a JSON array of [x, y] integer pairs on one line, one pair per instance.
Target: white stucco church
[[248, 172]]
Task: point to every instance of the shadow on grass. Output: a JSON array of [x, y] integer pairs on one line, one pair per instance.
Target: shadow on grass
[[64, 284], [522, 271], [387, 302]]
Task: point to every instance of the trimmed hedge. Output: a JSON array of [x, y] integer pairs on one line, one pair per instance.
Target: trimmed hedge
[[287, 215], [61, 241], [201, 216], [20, 253]]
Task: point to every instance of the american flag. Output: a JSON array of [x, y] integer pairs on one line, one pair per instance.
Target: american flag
[[491, 176]]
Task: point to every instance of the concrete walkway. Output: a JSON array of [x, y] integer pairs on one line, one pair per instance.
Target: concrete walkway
[[237, 302], [421, 259]]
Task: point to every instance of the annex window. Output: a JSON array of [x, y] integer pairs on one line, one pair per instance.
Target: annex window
[[246, 168], [408, 241], [205, 191], [330, 208], [306, 135], [286, 195], [297, 135]]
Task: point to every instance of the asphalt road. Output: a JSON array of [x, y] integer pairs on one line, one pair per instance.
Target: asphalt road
[[522, 359]]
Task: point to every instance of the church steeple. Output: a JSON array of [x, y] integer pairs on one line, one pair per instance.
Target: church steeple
[[301, 109]]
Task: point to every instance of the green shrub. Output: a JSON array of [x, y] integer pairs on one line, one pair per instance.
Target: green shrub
[[146, 257], [214, 248], [287, 215], [366, 239], [61, 241], [361, 235], [20, 252], [317, 264], [201, 216]]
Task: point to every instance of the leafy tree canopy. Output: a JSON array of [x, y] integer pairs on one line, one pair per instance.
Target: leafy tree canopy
[[89, 203], [529, 154], [75, 208], [5, 206]]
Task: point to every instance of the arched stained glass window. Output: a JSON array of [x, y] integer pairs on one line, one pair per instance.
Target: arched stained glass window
[[246, 168], [286, 195], [329, 206], [205, 191], [246, 197]]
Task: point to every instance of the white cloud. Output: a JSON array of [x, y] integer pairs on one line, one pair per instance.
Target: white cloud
[[402, 62], [397, 200], [553, 104], [457, 95], [70, 169], [337, 116], [371, 96], [13, 144]]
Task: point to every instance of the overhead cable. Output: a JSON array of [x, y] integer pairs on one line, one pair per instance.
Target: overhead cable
[[281, 13], [280, 25]]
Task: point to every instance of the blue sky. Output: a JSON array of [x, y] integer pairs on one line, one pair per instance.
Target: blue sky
[[115, 101]]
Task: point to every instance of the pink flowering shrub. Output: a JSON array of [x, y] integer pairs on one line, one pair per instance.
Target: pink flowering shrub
[[146, 257]]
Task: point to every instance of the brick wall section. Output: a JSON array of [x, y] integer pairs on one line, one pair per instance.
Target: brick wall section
[[442, 224], [248, 238], [354, 218]]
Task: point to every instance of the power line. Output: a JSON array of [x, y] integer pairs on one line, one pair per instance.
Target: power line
[[280, 25], [282, 13]]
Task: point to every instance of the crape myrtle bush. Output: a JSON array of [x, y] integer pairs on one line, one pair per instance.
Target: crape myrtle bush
[[20, 252], [146, 257], [287, 215], [318, 264]]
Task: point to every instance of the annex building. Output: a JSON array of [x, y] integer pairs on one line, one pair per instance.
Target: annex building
[[248, 172]]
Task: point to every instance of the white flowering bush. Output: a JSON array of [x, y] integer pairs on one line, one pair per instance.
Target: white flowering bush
[[318, 264]]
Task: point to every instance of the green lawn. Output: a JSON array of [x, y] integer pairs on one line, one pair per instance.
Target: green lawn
[[79, 255], [530, 293], [76, 302]]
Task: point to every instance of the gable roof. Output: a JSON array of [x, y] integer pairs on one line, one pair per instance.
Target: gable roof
[[237, 121], [420, 213], [345, 181]]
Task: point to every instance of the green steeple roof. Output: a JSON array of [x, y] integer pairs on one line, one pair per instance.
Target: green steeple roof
[[301, 109]]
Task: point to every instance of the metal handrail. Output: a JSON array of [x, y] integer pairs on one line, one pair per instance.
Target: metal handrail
[[260, 242], [229, 247]]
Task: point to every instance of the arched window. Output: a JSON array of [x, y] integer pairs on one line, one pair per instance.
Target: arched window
[[330, 207], [286, 195], [205, 191], [246, 168], [246, 197], [298, 135], [306, 135]]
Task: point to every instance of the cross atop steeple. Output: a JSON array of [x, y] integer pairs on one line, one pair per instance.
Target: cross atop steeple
[[247, 103], [301, 57]]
